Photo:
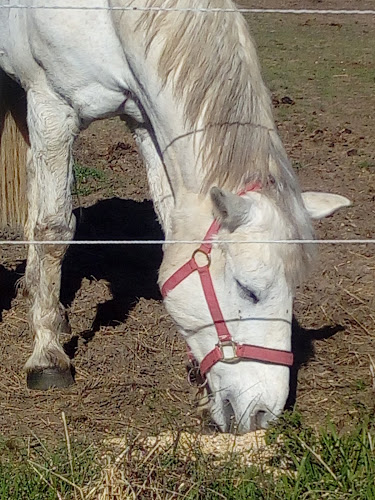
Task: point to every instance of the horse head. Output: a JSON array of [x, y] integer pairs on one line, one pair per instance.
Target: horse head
[[232, 298]]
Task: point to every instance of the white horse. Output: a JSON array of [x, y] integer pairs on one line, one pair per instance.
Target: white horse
[[189, 85]]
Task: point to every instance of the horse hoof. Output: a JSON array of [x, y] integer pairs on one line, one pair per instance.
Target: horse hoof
[[47, 378]]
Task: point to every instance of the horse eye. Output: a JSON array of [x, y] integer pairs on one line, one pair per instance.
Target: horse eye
[[247, 292]]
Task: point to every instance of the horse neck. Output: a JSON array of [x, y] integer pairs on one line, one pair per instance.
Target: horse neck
[[175, 192], [169, 150]]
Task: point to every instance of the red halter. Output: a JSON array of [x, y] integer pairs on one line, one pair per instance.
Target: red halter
[[226, 350]]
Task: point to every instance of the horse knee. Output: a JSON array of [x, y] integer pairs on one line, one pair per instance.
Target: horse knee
[[50, 228], [55, 228]]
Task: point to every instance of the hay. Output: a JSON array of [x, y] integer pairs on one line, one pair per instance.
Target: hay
[[126, 455]]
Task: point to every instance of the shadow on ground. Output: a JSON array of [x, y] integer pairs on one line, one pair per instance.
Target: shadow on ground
[[303, 350], [8, 283], [130, 270]]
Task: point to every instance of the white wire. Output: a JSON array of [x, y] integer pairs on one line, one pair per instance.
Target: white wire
[[195, 9], [188, 242]]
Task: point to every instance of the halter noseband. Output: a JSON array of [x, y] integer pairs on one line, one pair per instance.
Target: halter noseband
[[226, 350]]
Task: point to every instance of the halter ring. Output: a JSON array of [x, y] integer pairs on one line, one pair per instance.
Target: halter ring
[[207, 255], [192, 378]]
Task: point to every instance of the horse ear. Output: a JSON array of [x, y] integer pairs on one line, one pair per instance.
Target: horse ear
[[320, 205], [230, 209]]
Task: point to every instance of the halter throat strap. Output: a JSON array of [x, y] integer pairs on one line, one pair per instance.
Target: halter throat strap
[[226, 350]]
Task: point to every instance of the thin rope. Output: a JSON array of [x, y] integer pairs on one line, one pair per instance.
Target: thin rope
[[188, 242], [195, 9]]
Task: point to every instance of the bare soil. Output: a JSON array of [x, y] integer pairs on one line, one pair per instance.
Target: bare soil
[[130, 363]]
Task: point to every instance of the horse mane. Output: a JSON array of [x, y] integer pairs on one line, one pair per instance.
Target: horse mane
[[226, 100], [212, 62]]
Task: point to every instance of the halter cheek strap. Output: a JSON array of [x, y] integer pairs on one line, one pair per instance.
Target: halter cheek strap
[[226, 350]]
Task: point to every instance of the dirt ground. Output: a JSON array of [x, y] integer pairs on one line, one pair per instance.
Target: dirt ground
[[129, 361]]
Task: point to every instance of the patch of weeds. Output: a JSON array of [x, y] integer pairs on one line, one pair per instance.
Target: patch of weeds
[[325, 464], [39, 473], [87, 179], [229, 481], [285, 113], [306, 463], [198, 478], [366, 164], [318, 66], [360, 385]]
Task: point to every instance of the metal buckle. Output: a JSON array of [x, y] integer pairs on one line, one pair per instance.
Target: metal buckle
[[207, 255], [228, 351]]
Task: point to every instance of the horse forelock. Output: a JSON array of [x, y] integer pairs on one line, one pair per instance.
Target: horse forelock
[[212, 63]]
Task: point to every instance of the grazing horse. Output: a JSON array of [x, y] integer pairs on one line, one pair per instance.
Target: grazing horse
[[189, 86]]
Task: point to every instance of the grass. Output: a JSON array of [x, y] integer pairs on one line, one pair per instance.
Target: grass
[[315, 58], [327, 464], [306, 465], [326, 66], [38, 473], [319, 64], [366, 164], [87, 179]]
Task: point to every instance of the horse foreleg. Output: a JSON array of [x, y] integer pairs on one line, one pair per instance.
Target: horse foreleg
[[52, 125]]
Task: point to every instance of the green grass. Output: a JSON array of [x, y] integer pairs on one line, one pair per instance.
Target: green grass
[[87, 179], [307, 465], [318, 64], [327, 464], [366, 164], [39, 473]]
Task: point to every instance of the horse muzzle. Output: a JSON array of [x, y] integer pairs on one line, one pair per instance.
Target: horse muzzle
[[242, 399]]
